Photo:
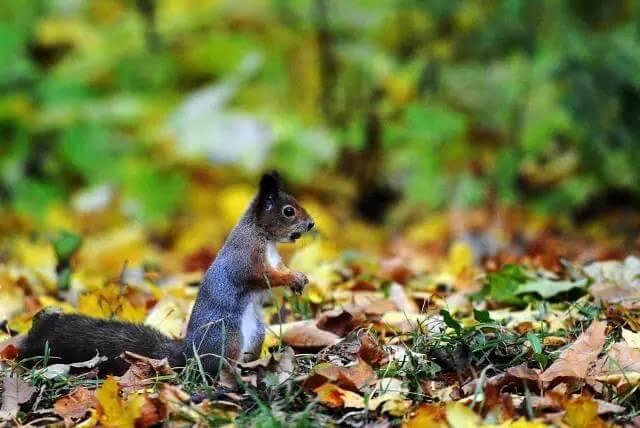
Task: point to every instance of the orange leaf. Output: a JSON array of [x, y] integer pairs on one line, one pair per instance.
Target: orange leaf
[[334, 396], [75, 405]]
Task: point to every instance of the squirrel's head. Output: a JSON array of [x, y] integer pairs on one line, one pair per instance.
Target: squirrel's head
[[277, 213]]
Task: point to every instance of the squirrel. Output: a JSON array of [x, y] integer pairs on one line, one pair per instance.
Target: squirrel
[[225, 325]]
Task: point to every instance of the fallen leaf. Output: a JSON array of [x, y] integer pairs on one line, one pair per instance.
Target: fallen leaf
[[352, 378], [280, 363], [150, 413], [621, 358], [341, 321], [577, 360], [333, 396], [523, 371], [10, 348], [519, 423], [55, 370], [460, 416], [460, 258], [370, 351], [404, 303], [75, 405], [308, 336], [428, 416], [582, 412], [547, 288], [142, 371], [173, 398], [632, 338], [392, 397], [117, 412], [614, 281], [15, 391]]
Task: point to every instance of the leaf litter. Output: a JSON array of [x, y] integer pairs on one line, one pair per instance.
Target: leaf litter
[[417, 331]]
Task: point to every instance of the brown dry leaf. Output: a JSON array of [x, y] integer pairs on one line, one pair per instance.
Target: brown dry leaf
[[173, 398], [621, 358], [280, 363], [576, 361], [15, 391], [556, 402], [404, 303], [151, 413], [523, 371], [333, 396], [582, 412], [352, 378], [397, 269], [307, 335], [370, 351], [341, 321], [142, 371], [615, 282], [75, 405]]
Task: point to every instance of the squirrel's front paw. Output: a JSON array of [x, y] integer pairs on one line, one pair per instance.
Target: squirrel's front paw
[[298, 283]]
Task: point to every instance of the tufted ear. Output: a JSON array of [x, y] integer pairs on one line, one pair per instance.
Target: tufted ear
[[269, 187]]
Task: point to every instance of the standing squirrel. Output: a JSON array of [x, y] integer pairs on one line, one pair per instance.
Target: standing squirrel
[[227, 316]]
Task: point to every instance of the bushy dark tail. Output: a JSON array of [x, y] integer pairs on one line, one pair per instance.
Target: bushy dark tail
[[75, 338]]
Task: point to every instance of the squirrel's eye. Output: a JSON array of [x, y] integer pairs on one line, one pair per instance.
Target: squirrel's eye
[[288, 211]]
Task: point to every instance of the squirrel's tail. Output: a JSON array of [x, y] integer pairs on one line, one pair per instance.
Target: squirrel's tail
[[74, 338]]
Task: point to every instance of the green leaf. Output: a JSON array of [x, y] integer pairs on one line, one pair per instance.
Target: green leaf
[[482, 316], [66, 244], [547, 288], [450, 322], [504, 284], [535, 342]]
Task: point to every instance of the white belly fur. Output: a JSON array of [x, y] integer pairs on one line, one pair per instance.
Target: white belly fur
[[253, 311], [273, 258], [249, 326]]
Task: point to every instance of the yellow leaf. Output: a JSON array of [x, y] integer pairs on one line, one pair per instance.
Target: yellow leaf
[[433, 229], [117, 412], [632, 339], [168, 316], [233, 202], [460, 258], [11, 296], [316, 253], [109, 302], [582, 413], [21, 322], [325, 221], [321, 280], [519, 423], [52, 302], [91, 421], [427, 416], [460, 416], [105, 254]]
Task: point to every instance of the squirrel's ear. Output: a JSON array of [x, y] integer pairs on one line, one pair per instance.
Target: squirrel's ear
[[269, 187]]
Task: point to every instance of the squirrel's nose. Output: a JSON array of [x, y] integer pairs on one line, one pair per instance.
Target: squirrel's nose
[[310, 225]]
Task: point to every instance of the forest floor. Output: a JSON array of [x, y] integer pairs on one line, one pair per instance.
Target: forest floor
[[455, 320]]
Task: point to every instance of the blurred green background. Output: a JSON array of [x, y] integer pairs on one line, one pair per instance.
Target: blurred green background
[[437, 104]]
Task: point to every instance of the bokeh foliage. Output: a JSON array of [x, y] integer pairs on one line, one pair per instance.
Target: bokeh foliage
[[449, 102]]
